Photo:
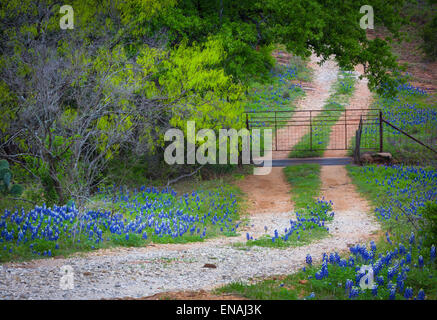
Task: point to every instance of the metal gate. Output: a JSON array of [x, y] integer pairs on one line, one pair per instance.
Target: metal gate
[[312, 130]]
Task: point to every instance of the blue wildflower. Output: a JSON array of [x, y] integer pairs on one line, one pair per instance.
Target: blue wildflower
[[309, 259], [421, 295], [408, 293]]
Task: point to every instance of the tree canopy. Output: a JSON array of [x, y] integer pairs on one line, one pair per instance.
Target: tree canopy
[[72, 99]]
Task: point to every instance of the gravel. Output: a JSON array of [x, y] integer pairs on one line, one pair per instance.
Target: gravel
[[145, 271]]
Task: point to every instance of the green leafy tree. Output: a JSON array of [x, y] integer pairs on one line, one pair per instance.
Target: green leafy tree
[[247, 28]]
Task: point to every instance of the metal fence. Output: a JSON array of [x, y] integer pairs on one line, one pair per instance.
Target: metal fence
[[311, 130]]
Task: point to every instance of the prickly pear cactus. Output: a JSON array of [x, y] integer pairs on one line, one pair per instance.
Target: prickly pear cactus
[[6, 186]]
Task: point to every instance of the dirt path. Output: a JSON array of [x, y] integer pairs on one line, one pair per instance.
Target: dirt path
[[361, 99], [267, 194]]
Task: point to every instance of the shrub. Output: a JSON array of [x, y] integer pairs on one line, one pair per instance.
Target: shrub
[[429, 36], [6, 186], [429, 223]]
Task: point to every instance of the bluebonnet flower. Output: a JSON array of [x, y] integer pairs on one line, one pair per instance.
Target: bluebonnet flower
[[432, 253], [402, 249], [354, 292], [392, 294], [311, 296], [348, 284], [408, 294], [375, 290], [380, 280], [408, 258], [412, 239], [420, 259], [309, 259], [421, 295], [400, 284], [388, 238]]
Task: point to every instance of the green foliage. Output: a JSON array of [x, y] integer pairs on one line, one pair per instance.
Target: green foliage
[[300, 285], [429, 36], [295, 240], [428, 225], [404, 110], [130, 70], [6, 185], [213, 193], [248, 28]]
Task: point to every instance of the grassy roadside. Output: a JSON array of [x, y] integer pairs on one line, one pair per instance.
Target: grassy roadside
[[403, 260], [322, 124], [305, 184], [412, 110]]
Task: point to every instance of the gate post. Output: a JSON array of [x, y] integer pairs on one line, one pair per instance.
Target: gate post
[[247, 121], [276, 134], [357, 150], [345, 129], [311, 132], [381, 132]]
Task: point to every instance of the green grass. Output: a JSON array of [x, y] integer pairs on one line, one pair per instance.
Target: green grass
[[409, 107], [305, 183], [403, 111], [292, 287], [376, 194], [307, 236], [313, 143]]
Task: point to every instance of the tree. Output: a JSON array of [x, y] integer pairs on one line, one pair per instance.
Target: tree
[[70, 104], [325, 27]]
